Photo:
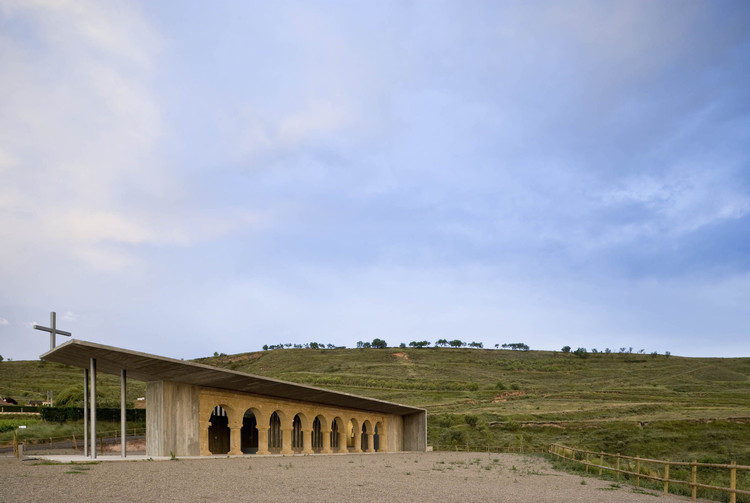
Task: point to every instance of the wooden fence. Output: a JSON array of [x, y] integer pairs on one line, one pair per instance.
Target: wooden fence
[[638, 468]]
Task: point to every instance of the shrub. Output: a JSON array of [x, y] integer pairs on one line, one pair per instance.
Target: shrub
[[471, 420], [566, 349]]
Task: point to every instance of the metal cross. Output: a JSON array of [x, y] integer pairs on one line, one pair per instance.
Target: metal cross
[[52, 331]]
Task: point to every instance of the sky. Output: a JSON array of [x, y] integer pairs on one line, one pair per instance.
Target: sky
[[183, 178]]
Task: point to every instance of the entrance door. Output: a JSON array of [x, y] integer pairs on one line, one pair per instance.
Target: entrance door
[[218, 432]]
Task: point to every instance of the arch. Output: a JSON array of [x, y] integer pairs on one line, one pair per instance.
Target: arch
[[274, 431], [218, 430], [365, 440], [316, 439], [338, 435], [249, 431], [353, 435], [297, 438], [376, 436]]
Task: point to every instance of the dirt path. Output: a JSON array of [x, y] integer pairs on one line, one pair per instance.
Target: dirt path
[[403, 477]]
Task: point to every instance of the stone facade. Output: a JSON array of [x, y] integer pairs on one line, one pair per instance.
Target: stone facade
[[188, 420]]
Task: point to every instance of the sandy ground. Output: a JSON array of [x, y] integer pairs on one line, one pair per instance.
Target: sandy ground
[[403, 477]]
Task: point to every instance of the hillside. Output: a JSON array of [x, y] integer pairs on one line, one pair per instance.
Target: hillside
[[629, 403]]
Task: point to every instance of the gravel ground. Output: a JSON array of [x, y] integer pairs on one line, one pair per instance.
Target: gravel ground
[[403, 477]]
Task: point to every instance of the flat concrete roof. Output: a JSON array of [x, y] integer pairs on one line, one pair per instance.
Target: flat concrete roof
[[147, 367]]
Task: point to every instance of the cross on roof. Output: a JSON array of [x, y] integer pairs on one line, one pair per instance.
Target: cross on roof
[[53, 330]]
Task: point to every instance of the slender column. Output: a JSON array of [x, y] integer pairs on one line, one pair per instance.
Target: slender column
[[286, 441], [123, 413], [93, 407], [307, 442], [85, 412], [235, 439], [326, 442], [370, 442], [263, 441]]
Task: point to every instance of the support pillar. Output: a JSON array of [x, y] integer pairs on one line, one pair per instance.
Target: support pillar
[[93, 408], [370, 442], [123, 414], [357, 440], [263, 441], [326, 442], [286, 441], [307, 442], [342, 440], [86, 412], [235, 439]]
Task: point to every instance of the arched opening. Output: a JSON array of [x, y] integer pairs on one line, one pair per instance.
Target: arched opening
[[218, 431], [365, 439], [335, 435], [249, 433], [297, 433], [317, 436], [274, 433], [376, 437], [352, 428]]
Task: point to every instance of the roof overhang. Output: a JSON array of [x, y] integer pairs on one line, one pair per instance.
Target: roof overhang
[[147, 367]]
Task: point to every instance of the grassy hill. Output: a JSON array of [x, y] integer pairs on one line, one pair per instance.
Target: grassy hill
[[649, 405]]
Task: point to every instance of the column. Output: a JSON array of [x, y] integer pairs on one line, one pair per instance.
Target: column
[[86, 412], [93, 407], [286, 441], [123, 414], [357, 440], [307, 441], [262, 439], [370, 441], [235, 438], [326, 441], [342, 440]]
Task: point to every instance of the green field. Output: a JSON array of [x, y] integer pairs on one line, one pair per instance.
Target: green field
[[648, 405]]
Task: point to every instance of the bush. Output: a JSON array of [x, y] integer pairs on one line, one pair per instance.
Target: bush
[[471, 420], [566, 349]]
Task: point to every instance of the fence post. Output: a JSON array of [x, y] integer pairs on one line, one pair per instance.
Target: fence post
[[637, 471], [733, 483], [601, 462], [694, 479], [666, 478], [587, 461], [75, 444], [618, 467]]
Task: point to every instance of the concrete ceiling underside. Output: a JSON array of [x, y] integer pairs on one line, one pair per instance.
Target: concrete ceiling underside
[[147, 367]]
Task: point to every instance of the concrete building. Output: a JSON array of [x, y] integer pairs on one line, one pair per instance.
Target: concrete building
[[194, 409]]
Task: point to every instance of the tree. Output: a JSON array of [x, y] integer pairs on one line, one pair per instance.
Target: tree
[[566, 349], [379, 343], [581, 353], [419, 344], [265, 348], [456, 343], [441, 342], [477, 345], [314, 345], [1, 358]]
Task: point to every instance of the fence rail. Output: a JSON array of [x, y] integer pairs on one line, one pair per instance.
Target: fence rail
[[623, 464]]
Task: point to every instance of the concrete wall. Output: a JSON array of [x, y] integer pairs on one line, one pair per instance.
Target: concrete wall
[[172, 419], [415, 432], [395, 431]]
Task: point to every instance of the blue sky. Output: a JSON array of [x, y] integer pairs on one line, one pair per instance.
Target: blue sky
[[183, 178]]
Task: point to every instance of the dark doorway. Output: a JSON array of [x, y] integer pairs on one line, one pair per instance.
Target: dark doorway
[[376, 439], [218, 432], [249, 433]]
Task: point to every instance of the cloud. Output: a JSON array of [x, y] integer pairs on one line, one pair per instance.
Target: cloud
[[3, 321]]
